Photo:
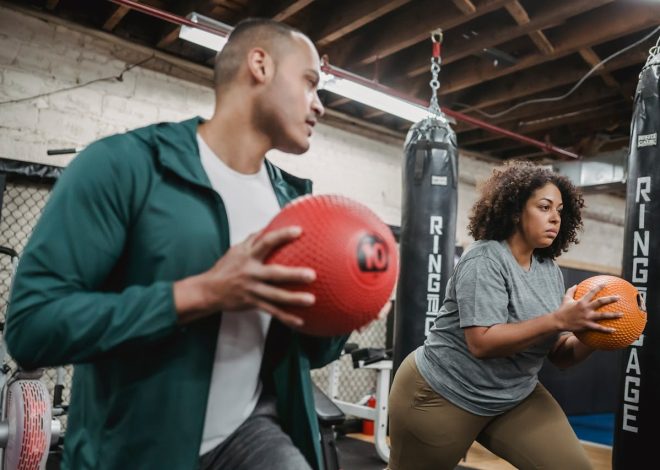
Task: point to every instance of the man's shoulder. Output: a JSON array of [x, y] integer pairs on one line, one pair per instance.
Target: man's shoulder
[[137, 145], [147, 136]]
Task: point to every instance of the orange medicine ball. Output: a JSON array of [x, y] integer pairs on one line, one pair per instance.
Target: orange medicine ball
[[629, 327], [353, 253]]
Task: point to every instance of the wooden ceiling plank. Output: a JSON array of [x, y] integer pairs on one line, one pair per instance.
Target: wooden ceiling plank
[[545, 122], [458, 48], [169, 38], [574, 118], [413, 25], [291, 9], [589, 93], [114, 19], [536, 81], [518, 12], [466, 6], [338, 102], [575, 36], [591, 58], [373, 113], [542, 42], [183, 8], [355, 15], [552, 122]]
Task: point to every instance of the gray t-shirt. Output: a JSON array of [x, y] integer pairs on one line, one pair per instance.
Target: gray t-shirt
[[489, 287]]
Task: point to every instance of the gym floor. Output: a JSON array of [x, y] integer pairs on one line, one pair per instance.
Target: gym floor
[[356, 452]]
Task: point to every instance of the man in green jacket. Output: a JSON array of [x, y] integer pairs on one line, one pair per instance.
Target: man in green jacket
[[145, 272]]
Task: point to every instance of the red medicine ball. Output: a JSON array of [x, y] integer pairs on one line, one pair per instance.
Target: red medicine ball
[[353, 253]]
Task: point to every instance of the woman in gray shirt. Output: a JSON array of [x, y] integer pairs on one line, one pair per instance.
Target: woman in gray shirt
[[505, 310]]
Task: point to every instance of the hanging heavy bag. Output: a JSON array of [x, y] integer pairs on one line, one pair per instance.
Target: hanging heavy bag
[[428, 228], [638, 411]]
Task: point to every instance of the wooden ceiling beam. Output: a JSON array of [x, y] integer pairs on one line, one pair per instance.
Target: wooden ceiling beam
[[580, 124], [569, 39], [168, 38], [541, 122], [355, 15], [373, 113], [171, 33], [588, 93], [591, 58], [588, 142], [466, 6], [615, 143], [290, 8], [518, 12], [533, 155], [585, 138], [412, 25], [230, 11], [540, 79], [338, 102], [457, 47], [116, 16], [537, 113]]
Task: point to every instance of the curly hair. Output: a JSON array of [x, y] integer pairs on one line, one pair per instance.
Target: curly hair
[[504, 195]]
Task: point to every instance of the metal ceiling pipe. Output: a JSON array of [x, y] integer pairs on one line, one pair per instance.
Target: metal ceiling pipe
[[182, 21], [169, 17]]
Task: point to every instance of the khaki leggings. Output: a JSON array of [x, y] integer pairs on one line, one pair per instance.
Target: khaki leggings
[[428, 432]]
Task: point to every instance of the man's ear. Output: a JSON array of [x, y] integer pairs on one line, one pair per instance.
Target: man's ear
[[260, 65]]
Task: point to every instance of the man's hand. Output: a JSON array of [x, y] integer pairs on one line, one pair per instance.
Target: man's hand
[[240, 281]]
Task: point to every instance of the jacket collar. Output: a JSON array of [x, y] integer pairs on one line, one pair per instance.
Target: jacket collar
[[178, 151]]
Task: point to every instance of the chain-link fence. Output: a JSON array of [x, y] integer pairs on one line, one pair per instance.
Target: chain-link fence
[[22, 204], [355, 384]]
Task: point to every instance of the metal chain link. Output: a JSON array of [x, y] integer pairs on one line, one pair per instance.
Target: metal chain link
[[436, 61], [434, 107]]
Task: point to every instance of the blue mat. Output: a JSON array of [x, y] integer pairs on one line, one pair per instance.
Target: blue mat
[[597, 428]]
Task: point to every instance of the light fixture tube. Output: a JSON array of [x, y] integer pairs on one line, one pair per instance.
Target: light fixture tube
[[205, 38], [374, 98]]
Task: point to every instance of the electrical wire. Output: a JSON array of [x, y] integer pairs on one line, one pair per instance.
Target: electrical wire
[[654, 52], [576, 86], [118, 78]]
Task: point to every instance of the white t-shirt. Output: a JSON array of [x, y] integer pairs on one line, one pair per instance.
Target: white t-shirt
[[250, 203]]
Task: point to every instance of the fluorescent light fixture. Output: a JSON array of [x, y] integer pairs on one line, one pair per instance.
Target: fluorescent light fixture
[[374, 98], [202, 37]]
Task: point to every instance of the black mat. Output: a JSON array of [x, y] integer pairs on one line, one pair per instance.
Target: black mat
[[355, 454]]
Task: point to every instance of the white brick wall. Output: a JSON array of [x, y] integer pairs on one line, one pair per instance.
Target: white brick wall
[[38, 57]]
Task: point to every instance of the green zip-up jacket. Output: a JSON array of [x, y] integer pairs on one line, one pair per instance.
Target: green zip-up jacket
[[130, 215]]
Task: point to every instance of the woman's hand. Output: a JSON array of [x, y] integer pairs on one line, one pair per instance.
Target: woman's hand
[[582, 314]]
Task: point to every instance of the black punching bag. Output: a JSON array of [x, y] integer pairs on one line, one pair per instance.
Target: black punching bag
[[428, 231], [638, 413]]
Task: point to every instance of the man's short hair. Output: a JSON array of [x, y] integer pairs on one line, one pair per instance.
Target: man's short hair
[[274, 37]]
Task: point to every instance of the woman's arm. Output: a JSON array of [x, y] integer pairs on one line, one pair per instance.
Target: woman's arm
[[505, 339], [568, 351]]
